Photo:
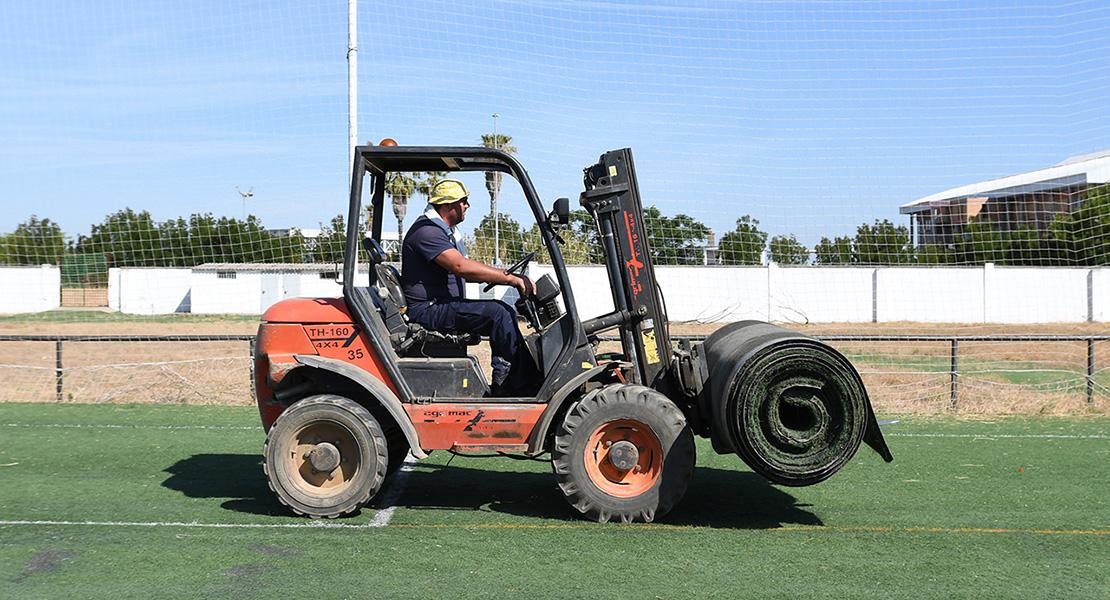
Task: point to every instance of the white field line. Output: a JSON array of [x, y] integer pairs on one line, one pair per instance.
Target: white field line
[[80, 426], [393, 494], [1051, 436], [305, 525]]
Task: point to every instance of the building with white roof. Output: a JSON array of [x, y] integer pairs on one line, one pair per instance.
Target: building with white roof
[[1030, 199]]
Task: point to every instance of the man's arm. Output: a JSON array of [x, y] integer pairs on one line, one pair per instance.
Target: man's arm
[[472, 270]]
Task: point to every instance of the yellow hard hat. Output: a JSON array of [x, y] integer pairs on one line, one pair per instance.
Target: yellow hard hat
[[448, 191]]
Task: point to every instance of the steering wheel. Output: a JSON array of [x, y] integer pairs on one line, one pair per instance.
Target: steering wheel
[[517, 266]]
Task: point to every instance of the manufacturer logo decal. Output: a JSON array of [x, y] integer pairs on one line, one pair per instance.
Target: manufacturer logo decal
[[634, 264]]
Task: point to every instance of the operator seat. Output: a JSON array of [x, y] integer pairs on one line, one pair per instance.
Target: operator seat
[[407, 338]]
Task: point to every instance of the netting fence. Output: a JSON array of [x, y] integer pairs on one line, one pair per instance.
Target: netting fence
[[983, 374], [847, 168]]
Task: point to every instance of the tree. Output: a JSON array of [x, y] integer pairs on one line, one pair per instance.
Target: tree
[[426, 182], [1088, 228], [400, 188], [786, 250], [332, 241], [510, 245], [977, 243], [205, 238], [131, 238], [934, 254], [678, 240], [177, 242], [36, 242], [837, 251], [575, 249], [135, 240], [1028, 246], [882, 244], [287, 248], [743, 245], [503, 143], [582, 229]]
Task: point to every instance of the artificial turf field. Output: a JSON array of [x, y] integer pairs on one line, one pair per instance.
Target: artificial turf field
[[129, 501]]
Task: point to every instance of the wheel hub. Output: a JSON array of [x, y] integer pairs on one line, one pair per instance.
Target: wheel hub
[[324, 457], [624, 455], [623, 458]]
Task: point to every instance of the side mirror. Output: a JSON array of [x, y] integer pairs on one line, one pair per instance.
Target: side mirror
[[562, 211]]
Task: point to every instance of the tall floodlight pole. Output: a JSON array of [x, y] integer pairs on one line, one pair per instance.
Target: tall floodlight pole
[[496, 218], [352, 83]]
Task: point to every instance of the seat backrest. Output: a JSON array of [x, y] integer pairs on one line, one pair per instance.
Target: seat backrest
[[410, 338], [390, 280], [386, 295], [374, 252]]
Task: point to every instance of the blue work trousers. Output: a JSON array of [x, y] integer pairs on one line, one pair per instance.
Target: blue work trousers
[[491, 318]]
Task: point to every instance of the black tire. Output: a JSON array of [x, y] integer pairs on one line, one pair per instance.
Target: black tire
[[398, 446], [592, 456], [325, 457]]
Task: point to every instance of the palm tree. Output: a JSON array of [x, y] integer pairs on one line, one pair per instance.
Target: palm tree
[[426, 182], [503, 143], [400, 188]]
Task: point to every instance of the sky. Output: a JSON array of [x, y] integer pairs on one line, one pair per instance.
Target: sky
[[812, 117]]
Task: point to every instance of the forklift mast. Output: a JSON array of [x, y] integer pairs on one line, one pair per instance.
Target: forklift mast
[[612, 197]]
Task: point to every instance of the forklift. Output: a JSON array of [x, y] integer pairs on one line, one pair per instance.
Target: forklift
[[348, 388]]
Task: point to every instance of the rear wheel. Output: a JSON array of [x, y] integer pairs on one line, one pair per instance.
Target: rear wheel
[[624, 452], [325, 456]]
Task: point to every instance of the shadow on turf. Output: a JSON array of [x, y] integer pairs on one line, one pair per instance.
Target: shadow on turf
[[717, 498], [236, 476], [728, 499]]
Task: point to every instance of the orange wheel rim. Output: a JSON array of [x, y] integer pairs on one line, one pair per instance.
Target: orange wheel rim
[[609, 449]]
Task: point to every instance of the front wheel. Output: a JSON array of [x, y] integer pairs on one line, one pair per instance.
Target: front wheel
[[624, 452], [325, 456]]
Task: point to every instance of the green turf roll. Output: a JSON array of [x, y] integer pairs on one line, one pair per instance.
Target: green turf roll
[[793, 408]]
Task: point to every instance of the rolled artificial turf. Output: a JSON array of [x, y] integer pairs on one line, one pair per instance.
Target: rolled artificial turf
[[793, 408]]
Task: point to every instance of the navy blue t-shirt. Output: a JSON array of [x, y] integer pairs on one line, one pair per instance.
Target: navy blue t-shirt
[[421, 278]]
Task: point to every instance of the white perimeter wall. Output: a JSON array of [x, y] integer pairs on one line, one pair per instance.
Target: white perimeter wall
[[939, 295], [1055, 295], [1100, 294], [30, 289], [149, 291], [252, 292], [988, 294]]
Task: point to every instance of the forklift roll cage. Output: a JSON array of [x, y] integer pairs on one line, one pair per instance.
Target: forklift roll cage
[[379, 162]]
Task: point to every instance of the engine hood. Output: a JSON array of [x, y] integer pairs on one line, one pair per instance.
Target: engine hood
[[309, 310]]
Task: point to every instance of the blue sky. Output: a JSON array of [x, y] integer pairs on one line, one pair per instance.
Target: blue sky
[[812, 117]]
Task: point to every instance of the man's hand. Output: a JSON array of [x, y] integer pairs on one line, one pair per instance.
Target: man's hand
[[523, 284]]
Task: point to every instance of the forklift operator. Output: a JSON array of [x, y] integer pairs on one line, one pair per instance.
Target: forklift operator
[[434, 265]]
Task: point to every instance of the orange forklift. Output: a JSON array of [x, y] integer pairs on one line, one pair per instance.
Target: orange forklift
[[347, 388]]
